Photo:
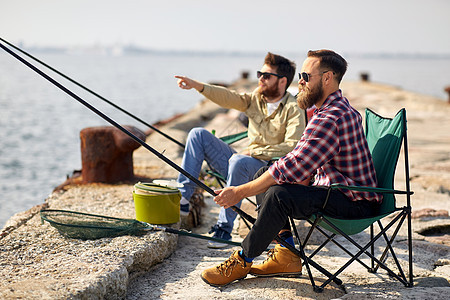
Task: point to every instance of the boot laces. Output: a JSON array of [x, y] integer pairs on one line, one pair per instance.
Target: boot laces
[[226, 268], [270, 255]]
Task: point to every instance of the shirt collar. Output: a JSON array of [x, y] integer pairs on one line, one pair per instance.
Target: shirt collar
[[283, 99], [329, 100]]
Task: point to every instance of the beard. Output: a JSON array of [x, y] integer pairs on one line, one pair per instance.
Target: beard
[[308, 97], [270, 92]]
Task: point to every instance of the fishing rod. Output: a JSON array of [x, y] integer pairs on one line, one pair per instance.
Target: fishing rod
[[108, 119], [165, 159], [93, 93], [104, 99]]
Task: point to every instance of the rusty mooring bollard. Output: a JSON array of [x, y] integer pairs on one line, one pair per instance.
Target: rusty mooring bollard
[[107, 154], [447, 90], [364, 77]]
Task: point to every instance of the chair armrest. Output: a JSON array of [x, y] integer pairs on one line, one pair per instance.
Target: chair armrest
[[368, 189], [230, 139], [215, 174]]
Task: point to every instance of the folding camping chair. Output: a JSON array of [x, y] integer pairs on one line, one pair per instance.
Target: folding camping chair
[[385, 138]]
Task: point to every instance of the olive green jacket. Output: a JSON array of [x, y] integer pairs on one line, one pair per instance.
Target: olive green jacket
[[270, 136]]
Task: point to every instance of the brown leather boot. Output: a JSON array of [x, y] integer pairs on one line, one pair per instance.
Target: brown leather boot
[[234, 268], [194, 217], [280, 262]]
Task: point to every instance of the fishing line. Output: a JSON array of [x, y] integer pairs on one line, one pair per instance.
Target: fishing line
[[162, 157], [111, 121], [94, 93], [99, 96], [118, 126]]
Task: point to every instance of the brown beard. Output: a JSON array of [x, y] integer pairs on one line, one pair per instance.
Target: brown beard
[[309, 97], [271, 91]]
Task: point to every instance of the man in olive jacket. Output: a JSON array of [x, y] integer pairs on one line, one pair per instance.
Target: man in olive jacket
[[276, 123]]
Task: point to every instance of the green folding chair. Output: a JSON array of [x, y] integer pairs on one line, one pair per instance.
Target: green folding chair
[[385, 138], [233, 138]]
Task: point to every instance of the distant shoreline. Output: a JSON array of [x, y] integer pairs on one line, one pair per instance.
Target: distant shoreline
[[136, 50]]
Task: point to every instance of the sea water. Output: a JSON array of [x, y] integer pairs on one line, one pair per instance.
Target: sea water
[[40, 124]]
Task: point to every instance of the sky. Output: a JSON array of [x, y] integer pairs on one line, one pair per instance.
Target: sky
[[281, 26]]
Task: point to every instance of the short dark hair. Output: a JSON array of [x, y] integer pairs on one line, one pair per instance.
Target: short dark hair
[[284, 66], [330, 60]]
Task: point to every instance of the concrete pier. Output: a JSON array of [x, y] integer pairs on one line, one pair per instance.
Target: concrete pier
[[37, 262]]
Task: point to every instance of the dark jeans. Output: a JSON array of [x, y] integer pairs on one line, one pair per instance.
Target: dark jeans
[[300, 202]]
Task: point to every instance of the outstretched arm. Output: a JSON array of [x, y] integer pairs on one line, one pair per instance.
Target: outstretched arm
[[187, 83]]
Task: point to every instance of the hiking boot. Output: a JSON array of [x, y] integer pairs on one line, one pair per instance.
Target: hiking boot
[[234, 268], [280, 262], [190, 214], [219, 233]]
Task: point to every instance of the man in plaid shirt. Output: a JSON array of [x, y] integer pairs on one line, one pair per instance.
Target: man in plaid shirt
[[332, 149]]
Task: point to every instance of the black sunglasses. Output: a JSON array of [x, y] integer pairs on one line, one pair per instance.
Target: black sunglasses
[[266, 75], [306, 76]]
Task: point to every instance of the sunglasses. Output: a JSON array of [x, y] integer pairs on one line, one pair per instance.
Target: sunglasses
[[306, 76], [266, 75]]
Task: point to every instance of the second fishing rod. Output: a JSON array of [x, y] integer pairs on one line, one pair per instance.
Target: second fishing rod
[[243, 214], [112, 104]]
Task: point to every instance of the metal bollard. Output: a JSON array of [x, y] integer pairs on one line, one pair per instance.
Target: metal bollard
[[107, 154], [447, 90], [364, 77]]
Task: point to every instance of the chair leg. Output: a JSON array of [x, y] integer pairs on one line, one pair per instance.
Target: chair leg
[[383, 257], [389, 245], [313, 225], [300, 246], [301, 254], [331, 238], [363, 250], [308, 261], [372, 251], [411, 282]]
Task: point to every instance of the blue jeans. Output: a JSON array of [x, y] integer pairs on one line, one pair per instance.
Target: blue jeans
[[238, 169]]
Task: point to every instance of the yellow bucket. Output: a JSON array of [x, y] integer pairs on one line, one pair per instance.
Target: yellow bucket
[[156, 204]]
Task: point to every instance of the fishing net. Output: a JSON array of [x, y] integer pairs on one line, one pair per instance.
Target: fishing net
[[86, 226]]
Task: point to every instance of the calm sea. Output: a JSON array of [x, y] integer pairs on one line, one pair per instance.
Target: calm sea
[[40, 125]]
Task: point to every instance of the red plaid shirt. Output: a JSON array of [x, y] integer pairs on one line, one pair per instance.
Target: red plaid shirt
[[334, 148]]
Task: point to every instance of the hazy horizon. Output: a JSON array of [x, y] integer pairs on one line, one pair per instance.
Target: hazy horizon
[[289, 26], [119, 49]]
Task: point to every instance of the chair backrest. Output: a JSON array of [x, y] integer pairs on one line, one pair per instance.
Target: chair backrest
[[385, 137]]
